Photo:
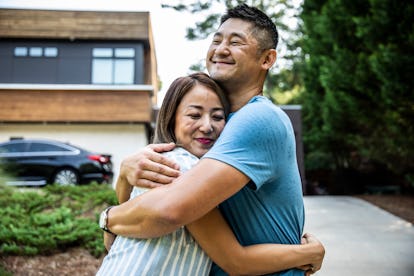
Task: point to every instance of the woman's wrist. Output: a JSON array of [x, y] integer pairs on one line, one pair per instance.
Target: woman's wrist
[[123, 189]]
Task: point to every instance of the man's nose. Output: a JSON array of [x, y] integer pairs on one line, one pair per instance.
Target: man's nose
[[222, 49]]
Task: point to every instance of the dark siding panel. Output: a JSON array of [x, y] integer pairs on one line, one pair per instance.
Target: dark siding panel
[[139, 64], [76, 50], [74, 71], [74, 63], [6, 65], [6, 68], [71, 66], [34, 70]]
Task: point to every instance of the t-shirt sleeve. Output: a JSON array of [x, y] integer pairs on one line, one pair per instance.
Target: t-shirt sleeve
[[254, 141]]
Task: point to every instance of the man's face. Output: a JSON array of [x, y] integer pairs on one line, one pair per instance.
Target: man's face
[[232, 56]]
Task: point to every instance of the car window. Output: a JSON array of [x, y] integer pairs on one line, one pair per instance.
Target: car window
[[41, 147], [12, 148]]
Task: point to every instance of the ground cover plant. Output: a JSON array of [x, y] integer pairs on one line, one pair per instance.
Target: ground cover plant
[[42, 221]]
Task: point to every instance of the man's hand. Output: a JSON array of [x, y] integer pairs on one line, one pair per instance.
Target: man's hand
[[148, 168], [318, 252]]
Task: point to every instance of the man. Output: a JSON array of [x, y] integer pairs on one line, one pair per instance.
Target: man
[[251, 171]]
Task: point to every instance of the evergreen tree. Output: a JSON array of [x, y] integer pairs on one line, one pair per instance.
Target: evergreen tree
[[359, 100]]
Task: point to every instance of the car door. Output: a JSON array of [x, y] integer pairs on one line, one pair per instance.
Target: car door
[[42, 159], [12, 156]]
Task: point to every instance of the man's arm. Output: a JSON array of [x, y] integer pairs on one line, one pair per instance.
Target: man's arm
[[217, 239], [163, 209], [146, 168]]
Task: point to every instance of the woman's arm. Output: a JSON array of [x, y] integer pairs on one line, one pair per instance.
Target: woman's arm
[[123, 189], [216, 238]]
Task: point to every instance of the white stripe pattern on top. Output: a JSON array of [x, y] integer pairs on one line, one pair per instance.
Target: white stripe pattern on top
[[174, 254]]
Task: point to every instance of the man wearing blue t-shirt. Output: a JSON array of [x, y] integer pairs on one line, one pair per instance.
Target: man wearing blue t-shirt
[[251, 172]]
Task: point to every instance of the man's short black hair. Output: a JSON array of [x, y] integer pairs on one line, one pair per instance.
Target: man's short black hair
[[263, 28]]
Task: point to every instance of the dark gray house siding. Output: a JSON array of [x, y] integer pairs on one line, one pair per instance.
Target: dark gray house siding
[[71, 65]]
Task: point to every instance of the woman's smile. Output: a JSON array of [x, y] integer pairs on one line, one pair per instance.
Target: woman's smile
[[205, 141]]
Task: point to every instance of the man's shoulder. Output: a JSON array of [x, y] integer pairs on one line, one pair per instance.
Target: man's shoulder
[[260, 100], [258, 109], [260, 105], [259, 120]]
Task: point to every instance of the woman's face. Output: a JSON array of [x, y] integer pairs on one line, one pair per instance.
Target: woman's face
[[199, 120]]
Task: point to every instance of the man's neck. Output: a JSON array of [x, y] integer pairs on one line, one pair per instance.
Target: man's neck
[[238, 99], [240, 92]]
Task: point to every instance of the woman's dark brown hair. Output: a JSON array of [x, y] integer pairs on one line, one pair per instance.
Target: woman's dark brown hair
[[165, 125]]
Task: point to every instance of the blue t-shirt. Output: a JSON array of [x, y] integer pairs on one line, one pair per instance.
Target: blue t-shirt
[[259, 141]]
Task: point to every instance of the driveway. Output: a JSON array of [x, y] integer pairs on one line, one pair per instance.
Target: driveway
[[360, 239]]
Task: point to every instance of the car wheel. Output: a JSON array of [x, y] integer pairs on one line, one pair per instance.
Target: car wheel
[[66, 177]]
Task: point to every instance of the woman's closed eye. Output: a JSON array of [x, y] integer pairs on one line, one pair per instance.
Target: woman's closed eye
[[194, 116], [218, 117]]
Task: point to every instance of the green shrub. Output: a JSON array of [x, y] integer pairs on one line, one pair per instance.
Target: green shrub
[[4, 272], [53, 218]]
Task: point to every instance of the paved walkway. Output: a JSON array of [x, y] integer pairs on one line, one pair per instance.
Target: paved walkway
[[360, 239]]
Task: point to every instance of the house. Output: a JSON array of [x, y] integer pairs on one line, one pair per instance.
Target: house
[[84, 77]]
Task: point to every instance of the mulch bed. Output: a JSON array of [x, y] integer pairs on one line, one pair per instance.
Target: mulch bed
[[399, 205], [75, 261]]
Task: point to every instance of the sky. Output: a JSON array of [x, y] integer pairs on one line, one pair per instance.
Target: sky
[[175, 54]]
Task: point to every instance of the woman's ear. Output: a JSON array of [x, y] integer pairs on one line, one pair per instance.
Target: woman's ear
[[270, 56]]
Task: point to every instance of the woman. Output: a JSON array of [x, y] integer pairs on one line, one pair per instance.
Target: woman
[[193, 115]]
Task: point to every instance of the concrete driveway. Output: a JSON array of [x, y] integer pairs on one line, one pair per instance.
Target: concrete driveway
[[360, 239]]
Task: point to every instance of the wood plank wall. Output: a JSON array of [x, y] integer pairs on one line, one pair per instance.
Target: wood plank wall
[[114, 106], [72, 25]]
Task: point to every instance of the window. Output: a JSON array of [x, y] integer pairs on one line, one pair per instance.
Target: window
[[51, 52], [102, 52], [125, 52], [20, 51], [41, 147], [13, 148], [113, 65], [36, 52], [124, 71], [102, 71]]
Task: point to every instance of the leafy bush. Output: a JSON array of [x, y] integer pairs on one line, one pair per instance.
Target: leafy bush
[[54, 218], [4, 272]]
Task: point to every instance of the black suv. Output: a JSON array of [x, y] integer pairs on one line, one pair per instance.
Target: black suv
[[30, 162]]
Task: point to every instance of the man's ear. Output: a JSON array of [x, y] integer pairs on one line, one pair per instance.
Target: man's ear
[[269, 59]]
